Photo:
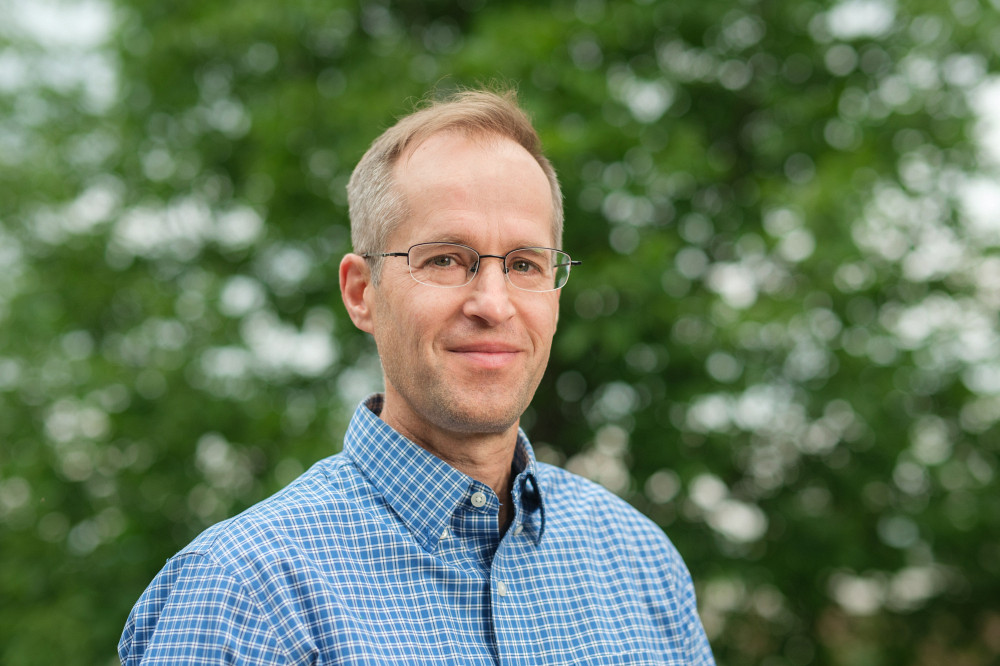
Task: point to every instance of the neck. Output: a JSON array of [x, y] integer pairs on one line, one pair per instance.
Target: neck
[[486, 457]]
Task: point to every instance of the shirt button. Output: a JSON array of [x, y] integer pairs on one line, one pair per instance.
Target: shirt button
[[445, 533], [501, 588], [478, 499], [518, 530]]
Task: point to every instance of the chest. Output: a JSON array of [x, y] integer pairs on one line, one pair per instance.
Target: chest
[[475, 599]]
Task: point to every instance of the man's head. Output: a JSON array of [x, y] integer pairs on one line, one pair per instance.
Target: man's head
[[458, 360], [375, 204]]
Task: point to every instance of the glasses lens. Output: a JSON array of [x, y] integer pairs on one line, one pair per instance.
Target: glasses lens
[[442, 264], [538, 268]]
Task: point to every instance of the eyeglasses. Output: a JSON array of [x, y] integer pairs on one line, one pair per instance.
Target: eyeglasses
[[454, 265]]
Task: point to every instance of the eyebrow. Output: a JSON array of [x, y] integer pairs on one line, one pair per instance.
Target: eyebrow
[[449, 239]]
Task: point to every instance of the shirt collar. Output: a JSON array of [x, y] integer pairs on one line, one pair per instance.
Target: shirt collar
[[422, 489]]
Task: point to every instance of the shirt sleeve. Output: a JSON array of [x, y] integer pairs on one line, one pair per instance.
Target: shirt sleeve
[[697, 648], [195, 613]]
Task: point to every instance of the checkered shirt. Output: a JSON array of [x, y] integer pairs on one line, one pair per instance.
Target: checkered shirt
[[385, 554]]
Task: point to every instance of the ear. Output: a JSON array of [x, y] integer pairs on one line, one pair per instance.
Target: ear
[[355, 281]]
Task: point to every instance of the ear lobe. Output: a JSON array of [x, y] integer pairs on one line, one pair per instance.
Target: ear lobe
[[355, 279]]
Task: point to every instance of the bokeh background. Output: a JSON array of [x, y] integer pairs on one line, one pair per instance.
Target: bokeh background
[[783, 345]]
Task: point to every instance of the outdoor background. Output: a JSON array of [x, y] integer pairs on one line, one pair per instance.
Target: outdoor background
[[783, 345]]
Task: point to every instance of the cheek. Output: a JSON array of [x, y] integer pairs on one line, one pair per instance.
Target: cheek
[[541, 322], [408, 321]]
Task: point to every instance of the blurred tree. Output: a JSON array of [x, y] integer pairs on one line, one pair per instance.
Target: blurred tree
[[783, 345]]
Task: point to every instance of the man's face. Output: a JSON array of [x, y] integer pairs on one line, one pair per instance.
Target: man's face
[[464, 359]]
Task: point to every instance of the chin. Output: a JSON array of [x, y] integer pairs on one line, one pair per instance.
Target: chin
[[481, 424], [479, 418]]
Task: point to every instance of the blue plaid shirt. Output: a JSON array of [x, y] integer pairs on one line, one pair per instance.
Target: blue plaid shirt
[[385, 554]]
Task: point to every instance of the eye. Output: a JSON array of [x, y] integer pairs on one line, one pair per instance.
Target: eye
[[444, 261], [524, 266]]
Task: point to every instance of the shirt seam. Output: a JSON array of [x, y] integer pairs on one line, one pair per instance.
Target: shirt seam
[[226, 570]]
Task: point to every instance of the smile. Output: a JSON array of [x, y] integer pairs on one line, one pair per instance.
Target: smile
[[487, 356]]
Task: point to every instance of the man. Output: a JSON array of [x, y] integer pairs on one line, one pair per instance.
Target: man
[[435, 537]]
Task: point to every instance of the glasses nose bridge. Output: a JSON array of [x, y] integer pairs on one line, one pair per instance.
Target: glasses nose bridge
[[503, 264], [503, 267]]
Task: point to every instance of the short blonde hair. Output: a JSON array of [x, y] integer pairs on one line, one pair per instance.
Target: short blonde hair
[[375, 205]]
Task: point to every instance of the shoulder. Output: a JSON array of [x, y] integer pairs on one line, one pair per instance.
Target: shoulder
[[293, 529], [576, 505], [588, 501], [588, 528], [191, 612], [223, 587], [329, 492]]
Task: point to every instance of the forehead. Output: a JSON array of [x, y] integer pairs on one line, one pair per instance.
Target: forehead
[[481, 188], [454, 152]]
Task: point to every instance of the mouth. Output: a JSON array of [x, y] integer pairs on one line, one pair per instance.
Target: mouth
[[487, 356]]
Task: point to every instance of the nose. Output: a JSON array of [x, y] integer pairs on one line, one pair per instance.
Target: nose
[[489, 299]]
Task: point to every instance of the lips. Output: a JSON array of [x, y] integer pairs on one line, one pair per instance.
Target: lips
[[487, 355], [486, 348]]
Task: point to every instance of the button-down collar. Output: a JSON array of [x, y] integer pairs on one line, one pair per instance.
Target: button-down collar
[[425, 491]]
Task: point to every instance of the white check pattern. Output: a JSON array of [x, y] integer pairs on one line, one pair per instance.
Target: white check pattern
[[384, 554]]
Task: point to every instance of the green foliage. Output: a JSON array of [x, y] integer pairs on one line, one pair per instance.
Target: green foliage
[[783, 344]]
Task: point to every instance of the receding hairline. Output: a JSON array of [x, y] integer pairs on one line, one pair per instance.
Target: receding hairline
[[375, 202], [495, 109], [482, 138], [490, 123], [479, 138]]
